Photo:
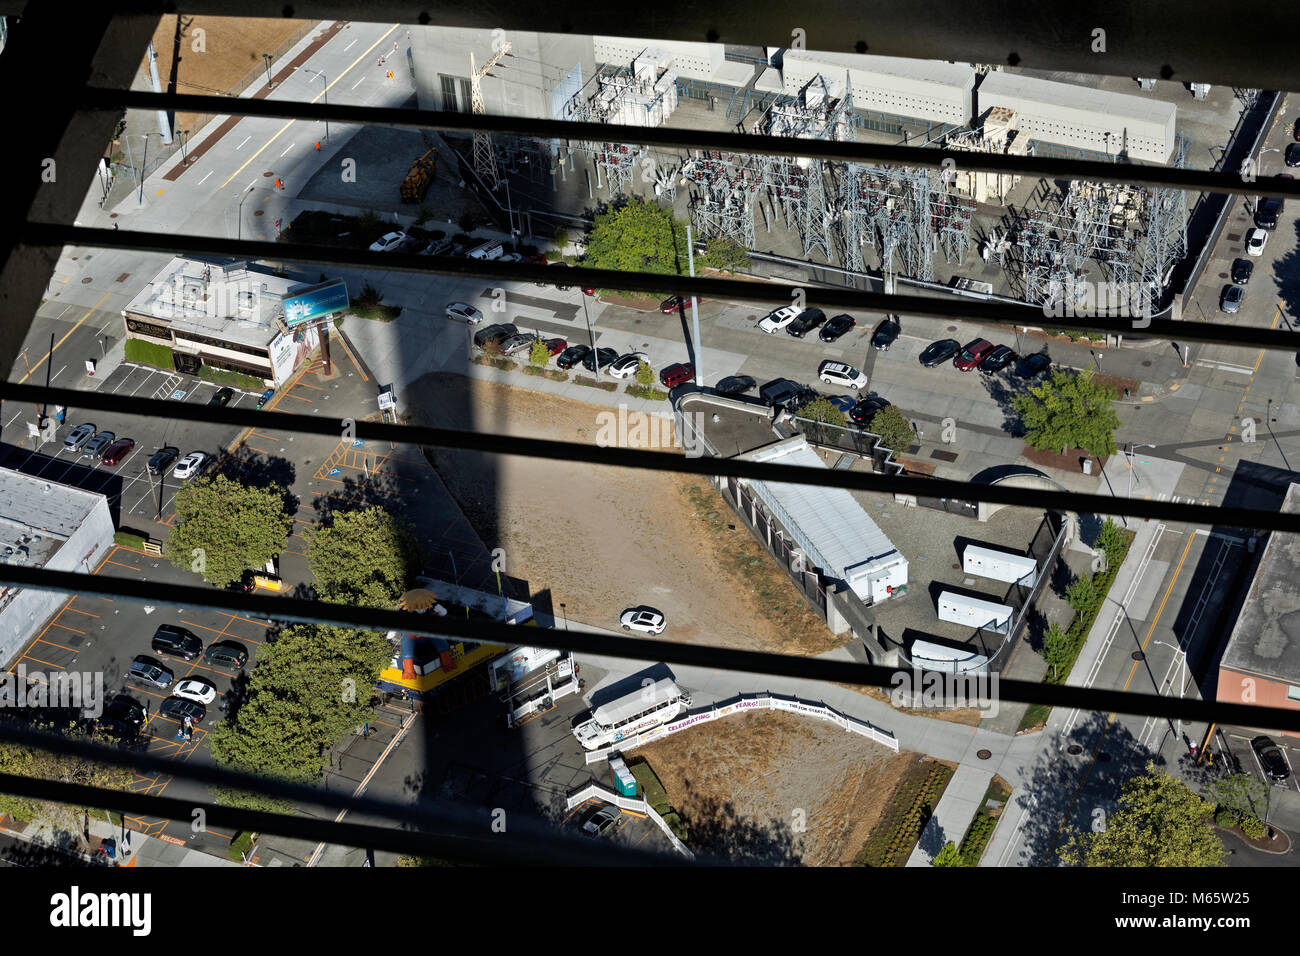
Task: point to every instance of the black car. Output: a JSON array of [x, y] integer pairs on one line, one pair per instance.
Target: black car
[[226, 654], [123, 715], [572, 355], [178, 708], [604, 356], [223, 397], [838, 326], [495, 334], [734, 385], [1242, 270], [886, 334], [997, 360], [781, 391], [1033, 365], [161, 460], [1292, 155], [936, 353], [1269, 210], [1271, 758], [865, 410], [177, 642], [805, 322]]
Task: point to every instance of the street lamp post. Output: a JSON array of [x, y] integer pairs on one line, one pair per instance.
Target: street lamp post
[[266, 58], [184, 135], [1096, 358], [695, 310], [239, 217], [1183, 690], [510, 217], [595, 356], [1254, 204], [325, 94]]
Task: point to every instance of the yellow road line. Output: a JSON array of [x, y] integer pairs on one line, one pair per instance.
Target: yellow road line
[[1259, 358], [65, 338], [323, 92]]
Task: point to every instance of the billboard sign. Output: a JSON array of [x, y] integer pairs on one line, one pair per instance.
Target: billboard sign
[[315, 302]]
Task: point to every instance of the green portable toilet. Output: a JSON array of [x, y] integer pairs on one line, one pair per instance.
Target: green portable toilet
[[624, 782]]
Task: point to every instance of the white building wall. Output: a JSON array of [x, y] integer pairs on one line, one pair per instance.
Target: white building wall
[[28, 610], [692, 61], [1083, 117], [925, 89]]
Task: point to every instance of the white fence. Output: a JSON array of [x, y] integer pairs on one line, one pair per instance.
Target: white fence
[[594, 792], [743, 704]]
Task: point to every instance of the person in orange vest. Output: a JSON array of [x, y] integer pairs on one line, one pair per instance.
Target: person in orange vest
[[318, 146]]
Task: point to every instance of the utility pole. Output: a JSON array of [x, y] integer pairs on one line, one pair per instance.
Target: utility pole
[[164, 124], [485, 160], [695, 311], [595, 356]]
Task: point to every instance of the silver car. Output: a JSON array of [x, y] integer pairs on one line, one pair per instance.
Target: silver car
[[463, 312], [602, 821], [78, 437], [518, 342]]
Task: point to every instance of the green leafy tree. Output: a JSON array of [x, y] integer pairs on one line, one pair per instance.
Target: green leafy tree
[[1241, 795], [645, 375], [223, 528], [1081, 593], [311, 686], [1110, 541], [820, 409], [561, 239], [24, 761], [363, 557], [1161, 822], [1069, 410], [894, 429], [637, 236], [539, 355], [949, 856], [1056, 648], [726, 254]]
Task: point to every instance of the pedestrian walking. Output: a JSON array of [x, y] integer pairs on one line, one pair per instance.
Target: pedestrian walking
[[318, 146], [114, 225], [279, 184]]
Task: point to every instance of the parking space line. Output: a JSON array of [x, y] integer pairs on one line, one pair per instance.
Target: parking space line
[[62, 647], [66, 628], [121, 565], [80, 611], [28, 657]]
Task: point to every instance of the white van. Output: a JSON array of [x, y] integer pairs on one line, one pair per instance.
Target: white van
[[489, 250]]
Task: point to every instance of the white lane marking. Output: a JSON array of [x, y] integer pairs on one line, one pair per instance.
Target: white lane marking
[[1240, 369], [205, 178], [358, 82], [349, 46], [58, 373], [241, 145], [287, 148]]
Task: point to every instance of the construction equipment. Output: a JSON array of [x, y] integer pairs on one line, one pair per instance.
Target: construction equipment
[[420, 175]]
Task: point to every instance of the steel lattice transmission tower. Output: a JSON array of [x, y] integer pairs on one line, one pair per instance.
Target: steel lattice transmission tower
[[485, 160]]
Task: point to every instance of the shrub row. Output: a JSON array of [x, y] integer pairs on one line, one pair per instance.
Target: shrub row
[[909, 811]]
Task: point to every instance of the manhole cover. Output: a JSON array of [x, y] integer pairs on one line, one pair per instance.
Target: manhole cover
[[268, 175], [87, 280], [1138, 656], [258, 212], [1074, 750], [984, 754], [1146, 364], [956, 567], [952, 328]]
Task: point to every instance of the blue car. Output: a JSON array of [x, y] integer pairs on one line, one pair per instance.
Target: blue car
[[266, 397], [842, 402]]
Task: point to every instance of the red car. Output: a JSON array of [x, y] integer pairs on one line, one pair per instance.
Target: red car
[[555, 346], [972, 354], [118, 450], [671, 304], [538, 260], [678, 374], [588, 290]]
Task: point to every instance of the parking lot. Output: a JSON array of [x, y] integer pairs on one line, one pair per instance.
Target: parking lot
[[1248, 761]]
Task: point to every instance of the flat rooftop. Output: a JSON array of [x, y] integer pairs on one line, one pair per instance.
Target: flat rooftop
[[37, 516], [741, 426], [1061, 96], [1266, 638], [227, 299], [927, 71]]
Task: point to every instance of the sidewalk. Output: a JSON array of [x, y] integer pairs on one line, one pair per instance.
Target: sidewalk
[[961, 799], [142, 850]]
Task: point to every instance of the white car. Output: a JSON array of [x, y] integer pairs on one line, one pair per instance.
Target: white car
[[190, 465], [645, 619], [625, 366], [196, 690], [838, 373], [388, 243], [774, 322], [1255, 241], [463, 312], [488, 250]]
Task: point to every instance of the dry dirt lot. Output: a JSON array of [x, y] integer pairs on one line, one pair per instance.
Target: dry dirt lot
[[776, 788], [604, 539], [232, 48]]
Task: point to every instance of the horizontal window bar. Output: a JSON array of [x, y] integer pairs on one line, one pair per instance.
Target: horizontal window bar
[[955, 307], [668, 652], [1230, 181], [1249, 518]]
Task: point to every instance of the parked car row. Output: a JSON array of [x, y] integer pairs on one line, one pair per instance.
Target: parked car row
[[191, 695], [983, 355]]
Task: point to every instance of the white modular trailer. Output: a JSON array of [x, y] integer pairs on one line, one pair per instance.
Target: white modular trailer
[[932, 90], [646, 707], [835, 533], [973, 612], [930, 656], [1083, 117], [999, 565]]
